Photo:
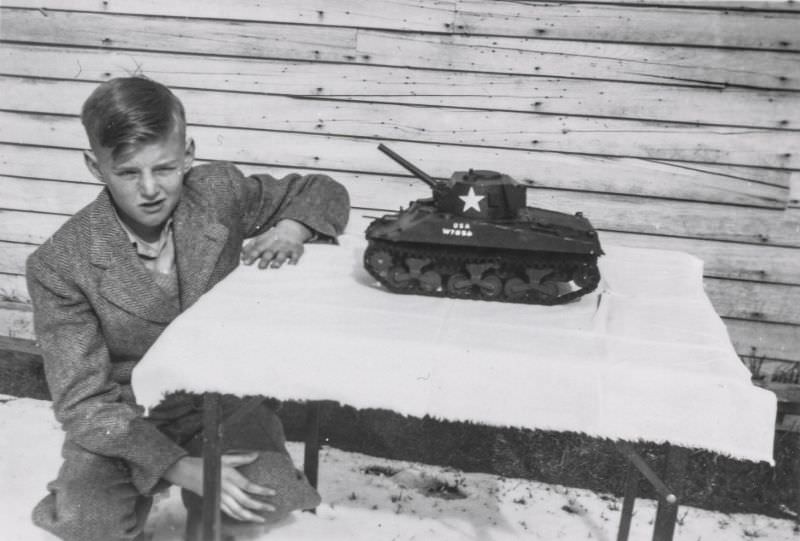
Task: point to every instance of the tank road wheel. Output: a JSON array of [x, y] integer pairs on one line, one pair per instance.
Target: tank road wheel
[[430, 281], [548, 289], [380, 260], [515, 288], [459, 285], [586, 276], [398, 278], [491, 287]]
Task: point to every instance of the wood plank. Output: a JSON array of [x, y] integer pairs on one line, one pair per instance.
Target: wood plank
[[731, 298], [25, 229], [772, 340], [66, 164], [641, 63], [13, 289], [530, 131], [16, 321], [786, 392], [619, 23], [376, 84], [754, 301], [767, 370], [405, 15], [794, 191], [345, 153], [19, 344], [769, 340], [712, 27], [725, 5], [13, 256], [694, 220], [248, 39], [614, 212], [563, 21], [554, 58], [39, 163], [620, 213], [721, 259], [46, 196]]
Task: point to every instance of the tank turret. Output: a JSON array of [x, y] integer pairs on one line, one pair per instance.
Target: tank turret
[[476, 238], [501, 196]]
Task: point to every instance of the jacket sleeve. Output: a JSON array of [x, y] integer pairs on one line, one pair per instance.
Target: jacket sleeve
[[317, 201], [86, 401]]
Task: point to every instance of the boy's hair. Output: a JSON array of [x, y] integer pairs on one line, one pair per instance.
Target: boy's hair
[[128, 111]]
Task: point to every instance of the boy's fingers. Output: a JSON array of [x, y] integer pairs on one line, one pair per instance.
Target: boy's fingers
[[279, 259], [250, 250], [294, 257], [238, 459], [248, 256], [232, 508], [261, 490], [266, 258], [272, 253], [246, 501], [237, 484], [248, 486]]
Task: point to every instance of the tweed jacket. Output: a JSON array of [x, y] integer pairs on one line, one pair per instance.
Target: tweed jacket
[[97, 309]]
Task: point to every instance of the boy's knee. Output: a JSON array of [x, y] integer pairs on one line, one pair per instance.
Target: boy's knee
[[93, 498], [91, 519], [87, 520]]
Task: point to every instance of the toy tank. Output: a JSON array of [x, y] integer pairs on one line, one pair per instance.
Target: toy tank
[[476, 239]]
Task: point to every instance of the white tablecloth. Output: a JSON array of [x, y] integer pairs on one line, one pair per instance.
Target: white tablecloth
[[645, 357]]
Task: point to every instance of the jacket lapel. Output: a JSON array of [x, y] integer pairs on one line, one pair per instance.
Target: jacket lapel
[[125, 283], [199, 240]]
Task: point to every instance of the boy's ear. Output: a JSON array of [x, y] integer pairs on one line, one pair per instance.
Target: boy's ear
[[188, 156], [91, 163]]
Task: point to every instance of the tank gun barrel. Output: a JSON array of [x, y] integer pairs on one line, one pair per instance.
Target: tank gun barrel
[[413, 169]]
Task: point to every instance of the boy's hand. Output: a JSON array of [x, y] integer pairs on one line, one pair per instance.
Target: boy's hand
[[235, 499], [274, 247]]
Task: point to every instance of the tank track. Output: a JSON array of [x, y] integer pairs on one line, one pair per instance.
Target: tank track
[[547, 278]]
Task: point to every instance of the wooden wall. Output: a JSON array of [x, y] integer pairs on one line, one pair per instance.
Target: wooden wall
[[671, 124]]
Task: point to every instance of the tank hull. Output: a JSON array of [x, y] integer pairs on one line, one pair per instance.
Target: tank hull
[[538, 257]]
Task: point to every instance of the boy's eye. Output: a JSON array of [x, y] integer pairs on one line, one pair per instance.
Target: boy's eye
[[165, 170], [127, 174]]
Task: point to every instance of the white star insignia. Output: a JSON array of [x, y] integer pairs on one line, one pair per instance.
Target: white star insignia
[[471, 200]]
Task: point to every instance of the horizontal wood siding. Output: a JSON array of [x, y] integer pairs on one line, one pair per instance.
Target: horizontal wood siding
[[409, 85], [671, 124]]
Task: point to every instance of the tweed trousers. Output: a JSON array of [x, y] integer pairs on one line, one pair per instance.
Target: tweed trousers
[[93, 497]]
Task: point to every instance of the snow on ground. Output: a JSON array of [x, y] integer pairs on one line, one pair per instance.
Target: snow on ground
[[367, 498]]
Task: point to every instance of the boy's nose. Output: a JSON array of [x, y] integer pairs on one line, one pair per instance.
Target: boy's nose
[[148, 187]]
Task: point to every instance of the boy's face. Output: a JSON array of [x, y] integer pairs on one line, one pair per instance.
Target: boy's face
[[145, 183]]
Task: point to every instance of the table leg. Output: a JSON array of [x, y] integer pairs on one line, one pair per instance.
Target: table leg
[[796, 469], [212, 466], [667, 514], [311, 456], [668, 495], [631, 491]]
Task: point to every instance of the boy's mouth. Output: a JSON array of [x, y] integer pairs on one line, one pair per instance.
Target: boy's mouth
[[152, 205]]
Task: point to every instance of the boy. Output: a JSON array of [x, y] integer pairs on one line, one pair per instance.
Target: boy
[[109, 281]]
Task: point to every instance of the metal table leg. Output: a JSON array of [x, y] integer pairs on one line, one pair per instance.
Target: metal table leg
[[212, 467], [667, 513], [311, 455], [631, 491]]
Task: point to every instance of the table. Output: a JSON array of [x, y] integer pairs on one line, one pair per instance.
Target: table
[[631, 361]]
